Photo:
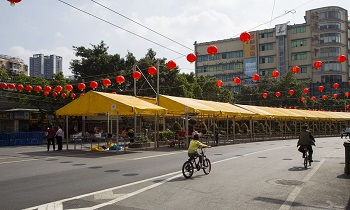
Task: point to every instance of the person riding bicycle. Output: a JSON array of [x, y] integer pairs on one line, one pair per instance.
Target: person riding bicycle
[[194, 146], [306, 139]]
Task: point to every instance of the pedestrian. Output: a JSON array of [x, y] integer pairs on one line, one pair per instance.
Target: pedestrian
[[59, 137], [50, 137], [347, 132]]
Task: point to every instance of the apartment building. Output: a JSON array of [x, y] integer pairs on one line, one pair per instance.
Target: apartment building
[[45, 66], [323, 37], [13, 65]]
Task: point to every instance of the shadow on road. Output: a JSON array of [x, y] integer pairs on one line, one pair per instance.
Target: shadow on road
[[297, 168]]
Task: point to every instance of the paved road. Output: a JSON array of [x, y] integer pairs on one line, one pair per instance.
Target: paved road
[[258, 175]]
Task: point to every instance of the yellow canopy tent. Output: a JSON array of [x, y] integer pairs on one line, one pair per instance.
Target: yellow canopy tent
[[93, 103], [180, 106]]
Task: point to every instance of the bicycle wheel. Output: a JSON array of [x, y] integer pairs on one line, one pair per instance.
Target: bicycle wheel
[[206, 166], [306, 159], [187, 169]]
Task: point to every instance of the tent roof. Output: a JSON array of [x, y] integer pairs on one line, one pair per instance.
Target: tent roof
[[180, 106], [93, 103]]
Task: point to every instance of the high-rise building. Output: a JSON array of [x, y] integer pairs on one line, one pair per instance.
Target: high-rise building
[[45, 66], [323, 37], [14, 66]]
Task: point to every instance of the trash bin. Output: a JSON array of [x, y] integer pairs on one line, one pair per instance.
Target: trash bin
[[347, 157]]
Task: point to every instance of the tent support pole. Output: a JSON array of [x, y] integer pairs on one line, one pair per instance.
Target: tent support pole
[[67, 132]]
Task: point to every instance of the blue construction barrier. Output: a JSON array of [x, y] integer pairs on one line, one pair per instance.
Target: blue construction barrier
[[21, 138]]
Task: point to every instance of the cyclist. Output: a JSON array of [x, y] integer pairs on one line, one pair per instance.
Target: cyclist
[[194, 146], [306, 139]]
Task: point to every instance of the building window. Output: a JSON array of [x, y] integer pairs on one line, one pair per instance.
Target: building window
[[265, 72], [331, 78], [265, 35], [303, 69], [238, 65], [214, 57], [329, 51], [299, 56], [330, 38], [202, 58], [299, 42], [266, 59], [331, 66], [330, 26], [329, 15], [265, 47], [298, 30]]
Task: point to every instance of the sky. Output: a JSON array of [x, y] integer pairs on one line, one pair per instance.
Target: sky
[[54, 27]]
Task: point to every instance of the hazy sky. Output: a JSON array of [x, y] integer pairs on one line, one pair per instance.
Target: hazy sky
[[53, 27]]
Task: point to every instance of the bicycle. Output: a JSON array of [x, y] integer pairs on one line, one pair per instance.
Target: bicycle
[[306, 157], [188, 166]]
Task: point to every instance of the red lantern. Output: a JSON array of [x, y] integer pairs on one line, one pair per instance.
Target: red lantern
[[244, 37], [171, 65], [11, 86], [3, 85], [106, 82], [191, 57], [114, 92], [347, 106], [54, 94], [219, 83], [347, 94], [255, 77], [58, 88], [72, 95], [291, 92], [335, 85], [81, 94], [318, 64], [152, 71], [120, 79], [306, 90], [313, 98], [264, 95], [47, 89], [20, 87], [63, 95], [13, 2], [236, 80], [324, 97], [278, 94], [295, 69], [320, 88], [93, 85], [341, 58], [46, 94], [38, 88], [212, 50], [302, 99], [275, 73], [335, 95], [29, 88], [136, 75], [69, 87], [81, 86]]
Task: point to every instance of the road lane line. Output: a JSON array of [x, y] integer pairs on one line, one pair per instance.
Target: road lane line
[[26, 160], [57, 205], [292, 196]]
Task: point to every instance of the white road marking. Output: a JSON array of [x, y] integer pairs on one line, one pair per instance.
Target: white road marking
[[26, 160], [292, 196], [58, 205]]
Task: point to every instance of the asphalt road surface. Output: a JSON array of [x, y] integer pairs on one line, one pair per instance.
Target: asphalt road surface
[[257, 175]]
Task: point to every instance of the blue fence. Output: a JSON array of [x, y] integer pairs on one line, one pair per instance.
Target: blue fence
[[21, 138]]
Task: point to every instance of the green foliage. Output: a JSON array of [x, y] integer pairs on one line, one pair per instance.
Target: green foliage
[[176, 126], [163, 135], [202, 127]]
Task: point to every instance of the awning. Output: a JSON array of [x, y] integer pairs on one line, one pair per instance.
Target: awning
[[93, 103], [180, 106]]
